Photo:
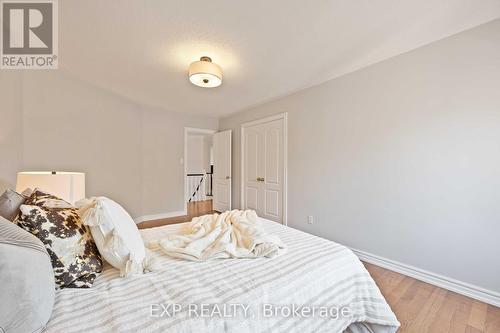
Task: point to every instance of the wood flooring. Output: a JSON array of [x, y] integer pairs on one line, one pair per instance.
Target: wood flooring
[[194, 209], [423, 308]]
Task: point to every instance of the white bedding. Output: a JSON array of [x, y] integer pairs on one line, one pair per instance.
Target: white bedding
[[314, 272], [233, 234]]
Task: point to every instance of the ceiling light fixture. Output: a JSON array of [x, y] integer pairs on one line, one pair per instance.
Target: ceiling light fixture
[[205, 73]]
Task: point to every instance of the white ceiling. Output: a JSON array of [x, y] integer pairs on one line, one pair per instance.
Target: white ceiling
[[267, 49]]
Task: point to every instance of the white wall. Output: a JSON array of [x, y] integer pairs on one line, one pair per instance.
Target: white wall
[[195, 154], [129, 152], [402, 159], [11, 131], [198, 152], [207, 151], [163, 148]]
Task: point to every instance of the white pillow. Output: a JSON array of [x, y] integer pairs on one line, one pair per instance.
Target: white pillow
[[115, 235]]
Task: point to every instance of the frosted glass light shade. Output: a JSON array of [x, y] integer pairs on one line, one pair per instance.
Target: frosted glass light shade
[[69, 186], [205, 73]]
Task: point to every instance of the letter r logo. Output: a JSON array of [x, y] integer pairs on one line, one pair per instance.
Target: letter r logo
[[27, 27]]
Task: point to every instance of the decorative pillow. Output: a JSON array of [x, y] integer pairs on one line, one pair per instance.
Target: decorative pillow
[[10, 201], [73, 253], [115, 234], [26, 281], [27, 192], [44, 199]]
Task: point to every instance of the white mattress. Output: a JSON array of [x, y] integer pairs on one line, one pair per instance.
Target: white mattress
[[314, 272]]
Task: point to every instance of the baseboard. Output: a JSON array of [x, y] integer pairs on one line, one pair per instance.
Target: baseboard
[[159, 216], [469, 290]]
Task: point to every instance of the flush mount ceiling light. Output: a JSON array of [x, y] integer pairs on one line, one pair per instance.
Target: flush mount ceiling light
[[205, 73]]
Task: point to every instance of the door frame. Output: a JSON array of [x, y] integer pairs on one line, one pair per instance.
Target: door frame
[[188, 130], [283, 116]]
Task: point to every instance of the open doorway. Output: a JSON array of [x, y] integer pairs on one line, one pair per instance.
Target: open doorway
[[198, 171]]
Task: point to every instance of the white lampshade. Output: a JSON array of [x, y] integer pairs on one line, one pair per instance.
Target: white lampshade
[[69, 186], [205, 73]]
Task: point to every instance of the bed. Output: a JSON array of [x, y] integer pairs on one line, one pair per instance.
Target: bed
[[233, 295]]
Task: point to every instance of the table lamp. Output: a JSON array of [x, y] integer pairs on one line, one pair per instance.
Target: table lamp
[[69, 186]]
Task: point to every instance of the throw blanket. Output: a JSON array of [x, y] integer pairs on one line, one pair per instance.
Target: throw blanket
[[233, 234]]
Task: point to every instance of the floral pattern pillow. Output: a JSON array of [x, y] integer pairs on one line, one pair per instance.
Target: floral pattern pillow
[[74, 255]]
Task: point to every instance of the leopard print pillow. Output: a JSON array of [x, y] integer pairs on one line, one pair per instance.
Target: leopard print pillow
[[44, 199], [74, 255]]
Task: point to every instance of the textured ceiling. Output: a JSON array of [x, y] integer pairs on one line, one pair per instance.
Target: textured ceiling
[[267, 49]]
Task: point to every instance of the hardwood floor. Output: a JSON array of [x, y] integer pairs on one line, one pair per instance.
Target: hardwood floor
[[419, 306], [424, 308], [194, 209]]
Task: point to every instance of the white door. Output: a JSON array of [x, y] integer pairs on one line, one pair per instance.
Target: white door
[[263, 170], [222, 171]]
